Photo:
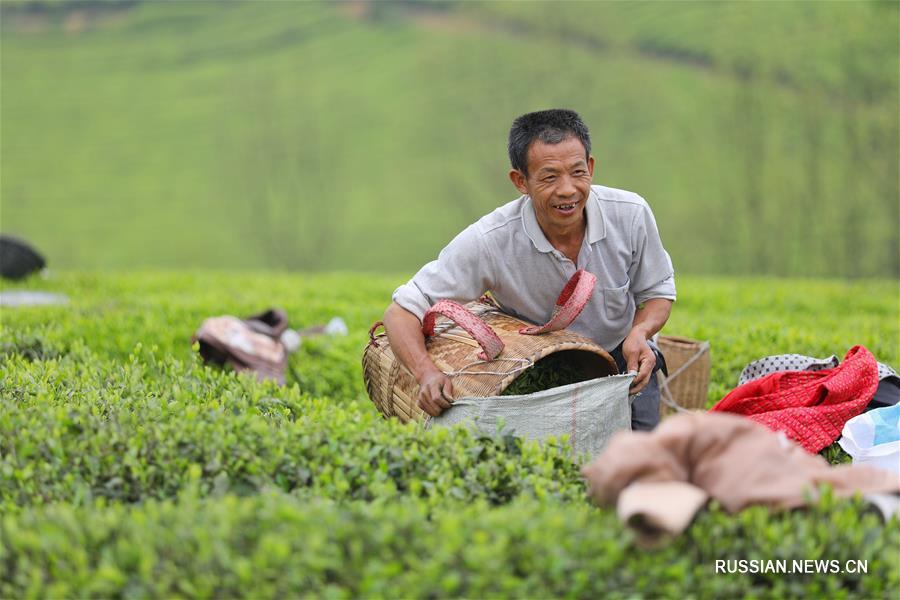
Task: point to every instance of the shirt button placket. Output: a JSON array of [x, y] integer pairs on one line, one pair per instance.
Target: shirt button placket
[[567, 265]]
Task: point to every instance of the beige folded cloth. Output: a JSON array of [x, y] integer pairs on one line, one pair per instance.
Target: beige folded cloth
[[659, 480]]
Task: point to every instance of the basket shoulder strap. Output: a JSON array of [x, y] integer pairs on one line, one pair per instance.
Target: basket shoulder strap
[[571, 302], [481, 332]]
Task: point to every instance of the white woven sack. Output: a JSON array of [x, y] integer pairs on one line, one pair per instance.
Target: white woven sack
[[589, 412]]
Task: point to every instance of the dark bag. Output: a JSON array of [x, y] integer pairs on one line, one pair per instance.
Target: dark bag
[[18, 259], [251, 344]]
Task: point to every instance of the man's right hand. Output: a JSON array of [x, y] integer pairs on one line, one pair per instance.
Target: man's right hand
[[435, 392], [404, 330]]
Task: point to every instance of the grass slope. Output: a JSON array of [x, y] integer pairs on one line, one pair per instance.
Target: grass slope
[[301, 136]]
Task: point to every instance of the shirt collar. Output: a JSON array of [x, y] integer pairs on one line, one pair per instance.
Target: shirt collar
[[596, 227]]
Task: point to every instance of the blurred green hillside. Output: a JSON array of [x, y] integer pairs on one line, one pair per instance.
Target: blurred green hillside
[[331, 136]]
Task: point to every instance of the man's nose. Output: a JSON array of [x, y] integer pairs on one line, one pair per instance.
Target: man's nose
[[566, 186]]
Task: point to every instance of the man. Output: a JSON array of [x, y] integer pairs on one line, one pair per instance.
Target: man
[[525, 251]]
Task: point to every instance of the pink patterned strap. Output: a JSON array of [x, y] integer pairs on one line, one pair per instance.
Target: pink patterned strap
[[372, 331], [470, 323], [569, 305]]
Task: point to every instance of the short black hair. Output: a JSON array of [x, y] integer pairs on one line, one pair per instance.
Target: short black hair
[[551, 127]]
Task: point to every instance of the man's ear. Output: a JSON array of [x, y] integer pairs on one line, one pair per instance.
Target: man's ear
[[591, 166], [518, 180]]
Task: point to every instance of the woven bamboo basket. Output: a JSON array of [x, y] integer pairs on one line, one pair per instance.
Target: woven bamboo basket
[[393, 388], [687, 385]]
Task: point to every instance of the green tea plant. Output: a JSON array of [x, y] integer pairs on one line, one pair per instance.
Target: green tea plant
[[78, 428], [549, 372], [129, 468], [271, 545]]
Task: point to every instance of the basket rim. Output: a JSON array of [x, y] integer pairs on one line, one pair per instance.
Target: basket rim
[[680, 339]]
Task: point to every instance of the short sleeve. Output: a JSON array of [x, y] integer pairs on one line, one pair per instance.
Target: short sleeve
[[651, 272], [461, 273]]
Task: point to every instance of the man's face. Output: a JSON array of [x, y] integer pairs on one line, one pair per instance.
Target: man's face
[[558, 181]]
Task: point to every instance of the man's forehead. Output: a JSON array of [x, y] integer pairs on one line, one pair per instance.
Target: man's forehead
[[568, 153]]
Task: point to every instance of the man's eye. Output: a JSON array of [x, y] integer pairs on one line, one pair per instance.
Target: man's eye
[[579, 173], [549, 179]]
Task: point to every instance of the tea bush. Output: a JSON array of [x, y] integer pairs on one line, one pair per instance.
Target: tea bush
[[129, 469], [271, 545], [80, 427]]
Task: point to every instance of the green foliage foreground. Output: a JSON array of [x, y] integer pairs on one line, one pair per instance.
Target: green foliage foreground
[[128, 469], [273, 546], [76, 428]]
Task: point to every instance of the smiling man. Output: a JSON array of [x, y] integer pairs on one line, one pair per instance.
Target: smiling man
[[525, 251]]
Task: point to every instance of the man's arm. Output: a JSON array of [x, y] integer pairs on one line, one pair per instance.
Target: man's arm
[[653, 285], [404, 331], [460, 273], [648, 321]]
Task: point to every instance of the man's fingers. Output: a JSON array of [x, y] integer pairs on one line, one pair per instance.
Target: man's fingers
[[444, 397], [631, 365], [427, 402], [647, 365], [448, 390], [639, 382], [445, 394], [436, 397], [645, 368], [426, 405], [637, 389], [643, 377], [442, 402], [634, 367]]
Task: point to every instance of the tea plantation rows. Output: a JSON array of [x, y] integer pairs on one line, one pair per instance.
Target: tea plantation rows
[[129, 469]]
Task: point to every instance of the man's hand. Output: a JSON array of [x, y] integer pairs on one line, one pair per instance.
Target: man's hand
[[404, 330], [435, 392], [639, 357], [648, 320]]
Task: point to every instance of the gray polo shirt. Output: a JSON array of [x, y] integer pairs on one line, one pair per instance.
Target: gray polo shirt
[[507, 253]]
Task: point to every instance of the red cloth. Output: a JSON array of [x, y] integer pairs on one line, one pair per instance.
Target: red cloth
[[811, 407]]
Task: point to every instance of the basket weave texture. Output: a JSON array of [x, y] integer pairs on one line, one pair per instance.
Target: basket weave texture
[[688, 363], [393, 388]]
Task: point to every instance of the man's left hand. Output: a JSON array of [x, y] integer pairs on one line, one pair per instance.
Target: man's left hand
[[639, 357]]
